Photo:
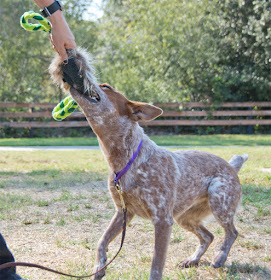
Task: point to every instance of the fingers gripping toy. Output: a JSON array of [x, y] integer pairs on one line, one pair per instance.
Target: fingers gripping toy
[[77, 73]]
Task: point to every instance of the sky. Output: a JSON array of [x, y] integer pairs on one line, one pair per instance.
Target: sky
[[95, 11]]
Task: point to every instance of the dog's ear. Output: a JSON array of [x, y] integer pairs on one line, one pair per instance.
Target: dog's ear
[[139, 111]]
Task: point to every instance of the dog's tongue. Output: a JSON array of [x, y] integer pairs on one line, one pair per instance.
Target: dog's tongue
[[73, 76]]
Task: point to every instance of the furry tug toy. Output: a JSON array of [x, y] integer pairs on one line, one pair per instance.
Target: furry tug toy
[[78, 73]]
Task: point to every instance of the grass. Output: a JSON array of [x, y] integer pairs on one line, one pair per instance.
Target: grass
[[51, 169], [68, 141], [213, 140], [165, 140], [57, 204]]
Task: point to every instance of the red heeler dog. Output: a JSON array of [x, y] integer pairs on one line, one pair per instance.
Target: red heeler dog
[[160, 185]]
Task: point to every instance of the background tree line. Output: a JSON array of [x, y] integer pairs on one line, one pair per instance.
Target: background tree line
[[162, 50]]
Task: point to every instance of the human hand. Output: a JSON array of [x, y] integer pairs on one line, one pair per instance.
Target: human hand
[[61, 36]]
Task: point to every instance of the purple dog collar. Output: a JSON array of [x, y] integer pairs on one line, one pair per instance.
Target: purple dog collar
[[119, 174]]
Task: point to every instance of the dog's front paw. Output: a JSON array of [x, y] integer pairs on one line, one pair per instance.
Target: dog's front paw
[[219, 260], [188, 263], [101, 273]]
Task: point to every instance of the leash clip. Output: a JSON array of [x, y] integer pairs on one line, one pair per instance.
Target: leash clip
[[120, 192]]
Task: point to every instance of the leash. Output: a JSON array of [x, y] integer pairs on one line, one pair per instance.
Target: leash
[[118, 187], [67, 105], [60, 112], [14, 264]]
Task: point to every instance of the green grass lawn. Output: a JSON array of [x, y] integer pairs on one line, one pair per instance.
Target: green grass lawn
[[166, 140], [58, 204]]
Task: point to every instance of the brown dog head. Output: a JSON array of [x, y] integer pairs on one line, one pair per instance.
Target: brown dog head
[[104, 107], [113, 110]]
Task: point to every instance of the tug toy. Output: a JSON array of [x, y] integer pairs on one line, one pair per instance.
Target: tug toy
[[67, 105], [64, 108], [44, 24]]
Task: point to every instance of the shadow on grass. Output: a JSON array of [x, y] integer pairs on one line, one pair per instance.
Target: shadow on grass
[[47, 178], [246, 268], [234, 271]]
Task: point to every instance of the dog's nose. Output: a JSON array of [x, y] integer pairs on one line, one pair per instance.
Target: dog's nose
[[73, 76]]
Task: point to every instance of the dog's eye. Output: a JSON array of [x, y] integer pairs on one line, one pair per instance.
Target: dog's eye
[[105, 86]]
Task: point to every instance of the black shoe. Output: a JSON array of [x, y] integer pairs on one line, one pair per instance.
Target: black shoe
[[10, 276], [5, 257]]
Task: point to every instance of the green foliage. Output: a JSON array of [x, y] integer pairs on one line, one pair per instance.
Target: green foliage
[[162, 50], [245, 48], [187, 50], [25, 56], [159, 50]]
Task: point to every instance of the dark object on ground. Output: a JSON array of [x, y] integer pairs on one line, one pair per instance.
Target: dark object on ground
[[6, 256]]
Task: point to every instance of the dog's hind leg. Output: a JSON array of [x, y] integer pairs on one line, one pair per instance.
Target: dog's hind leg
[[224, 197], [109, 235], [191, 220]]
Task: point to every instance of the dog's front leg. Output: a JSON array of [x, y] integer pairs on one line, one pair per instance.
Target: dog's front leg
[[112, 231], [162, 236]]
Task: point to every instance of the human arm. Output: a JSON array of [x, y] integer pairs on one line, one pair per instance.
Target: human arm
[[61, 36]]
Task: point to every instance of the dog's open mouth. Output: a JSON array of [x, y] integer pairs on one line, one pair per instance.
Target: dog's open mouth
[[73, 75], [92, 96]]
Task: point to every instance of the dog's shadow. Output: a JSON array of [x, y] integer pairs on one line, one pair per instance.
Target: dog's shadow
[[238, 268], [247, 268]]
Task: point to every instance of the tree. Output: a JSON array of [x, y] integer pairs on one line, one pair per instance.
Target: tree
[[187, 50], [25, 56], [22, 56], [245, 58], [162, 50]]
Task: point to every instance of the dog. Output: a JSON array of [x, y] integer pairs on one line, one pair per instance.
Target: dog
[[160, 185]]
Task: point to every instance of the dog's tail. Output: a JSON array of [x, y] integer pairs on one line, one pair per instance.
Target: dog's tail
[[237, 161]]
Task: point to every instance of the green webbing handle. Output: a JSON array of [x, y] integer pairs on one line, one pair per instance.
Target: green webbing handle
[[67, 105], [43, 25], [64, 108]]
